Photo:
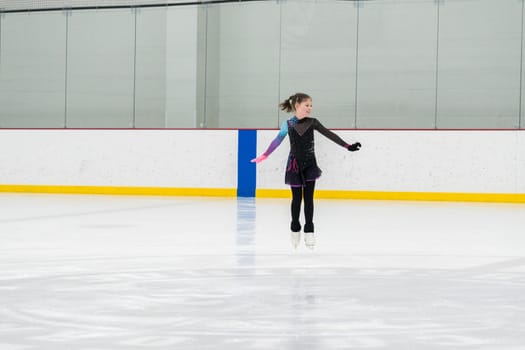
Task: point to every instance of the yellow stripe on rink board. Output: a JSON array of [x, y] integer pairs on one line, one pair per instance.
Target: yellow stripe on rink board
[[410, 196], [269, 193], [112, 190]]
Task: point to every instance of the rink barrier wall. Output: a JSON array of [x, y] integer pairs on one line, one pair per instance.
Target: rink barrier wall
[[424, 165]]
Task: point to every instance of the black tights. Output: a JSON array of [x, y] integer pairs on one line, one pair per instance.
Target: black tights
[[298, 194]]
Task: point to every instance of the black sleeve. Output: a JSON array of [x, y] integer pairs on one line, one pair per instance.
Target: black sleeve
[[329, 134]]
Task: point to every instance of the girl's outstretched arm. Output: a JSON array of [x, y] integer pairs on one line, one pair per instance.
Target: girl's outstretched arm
[[274, 144], [335, 138]]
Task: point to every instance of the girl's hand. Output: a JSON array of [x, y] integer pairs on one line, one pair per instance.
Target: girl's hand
[[259, 159], [354, 147]]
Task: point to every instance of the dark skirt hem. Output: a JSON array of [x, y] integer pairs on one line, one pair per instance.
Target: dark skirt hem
[[299, 178]]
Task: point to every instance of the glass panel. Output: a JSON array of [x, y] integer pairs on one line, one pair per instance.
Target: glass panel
[[397, 64], [101, 69], [202, 26], [150, 81], [166, 72], [229, 65], [32, 70], [318, 57], [479, 64], [181, 71], [242, 74], [522, 109]]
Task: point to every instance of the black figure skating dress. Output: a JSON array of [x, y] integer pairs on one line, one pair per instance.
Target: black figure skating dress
[[302, 164]]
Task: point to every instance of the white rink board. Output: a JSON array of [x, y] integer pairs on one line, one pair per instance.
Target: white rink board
[[149, 158], [409, 161], [390, 160]]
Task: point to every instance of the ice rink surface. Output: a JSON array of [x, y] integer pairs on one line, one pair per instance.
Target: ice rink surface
[[121, 272]]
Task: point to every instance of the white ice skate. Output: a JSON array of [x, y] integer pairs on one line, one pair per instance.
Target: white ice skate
[[309, 240], [295, 237]]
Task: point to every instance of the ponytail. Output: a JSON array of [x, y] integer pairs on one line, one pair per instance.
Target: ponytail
[[288, 105]]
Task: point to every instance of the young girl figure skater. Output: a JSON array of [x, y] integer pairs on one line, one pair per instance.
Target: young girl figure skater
[[301, 168]]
